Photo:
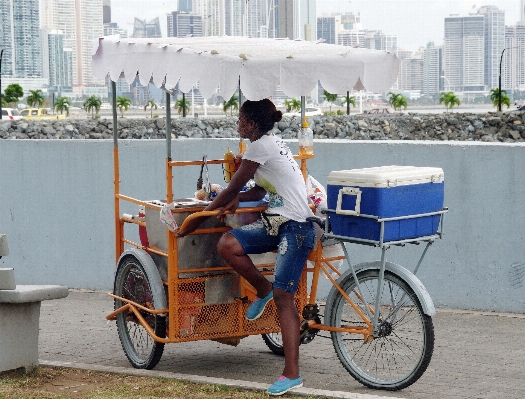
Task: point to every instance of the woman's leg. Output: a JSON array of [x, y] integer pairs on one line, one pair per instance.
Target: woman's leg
[[232, 252], [290, 329]]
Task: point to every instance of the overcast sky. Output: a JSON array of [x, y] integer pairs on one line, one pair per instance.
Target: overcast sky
[[415, 22]]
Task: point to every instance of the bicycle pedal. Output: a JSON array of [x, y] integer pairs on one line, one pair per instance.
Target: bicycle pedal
[[311, 312], [307, 335]]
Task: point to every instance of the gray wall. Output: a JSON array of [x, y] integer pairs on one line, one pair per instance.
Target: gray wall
[[56, 208]]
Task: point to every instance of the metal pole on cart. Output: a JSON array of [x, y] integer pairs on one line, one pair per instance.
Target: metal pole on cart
[[119, 246], [169, 172]]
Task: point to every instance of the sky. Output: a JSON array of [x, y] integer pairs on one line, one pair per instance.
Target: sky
[[415, 22]]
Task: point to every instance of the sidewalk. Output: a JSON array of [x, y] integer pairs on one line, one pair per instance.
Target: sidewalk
[[476, 355]]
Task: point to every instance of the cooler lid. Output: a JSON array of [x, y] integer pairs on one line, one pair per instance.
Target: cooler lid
[[386, 176]]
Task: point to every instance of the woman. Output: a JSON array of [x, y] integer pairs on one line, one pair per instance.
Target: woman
[[270, 163]]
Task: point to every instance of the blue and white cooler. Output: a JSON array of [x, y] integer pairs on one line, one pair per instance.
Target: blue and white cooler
[[385, 192]]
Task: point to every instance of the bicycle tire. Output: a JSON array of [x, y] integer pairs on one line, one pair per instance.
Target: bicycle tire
[[274, 342], [132, 282], [401, 352]]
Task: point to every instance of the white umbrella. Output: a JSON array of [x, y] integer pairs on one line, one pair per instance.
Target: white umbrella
[[260, 64]]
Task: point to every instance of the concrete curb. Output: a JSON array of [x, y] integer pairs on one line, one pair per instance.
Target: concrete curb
[[208, 380]]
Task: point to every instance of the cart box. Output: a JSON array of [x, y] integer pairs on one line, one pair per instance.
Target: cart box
[[387, 191]]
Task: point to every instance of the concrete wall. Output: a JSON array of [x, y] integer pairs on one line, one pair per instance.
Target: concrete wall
[[56, 208]]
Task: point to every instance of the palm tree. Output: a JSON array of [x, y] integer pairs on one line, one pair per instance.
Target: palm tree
[[292, 105], [182, 105], [231, 104], [449, 99], [348, 100], [397, 101], [123, 104], [62, 104], [494, 97], [330, 98], [36, 97], [151, 104], [91, 104]]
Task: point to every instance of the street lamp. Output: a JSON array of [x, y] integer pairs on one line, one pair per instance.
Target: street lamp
[[448, 82], [499, 86]]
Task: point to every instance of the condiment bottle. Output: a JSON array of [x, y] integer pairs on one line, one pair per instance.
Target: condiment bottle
[[306, 139], [229, 167]]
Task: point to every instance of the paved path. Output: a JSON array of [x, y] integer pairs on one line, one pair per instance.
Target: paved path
[[477, 355]]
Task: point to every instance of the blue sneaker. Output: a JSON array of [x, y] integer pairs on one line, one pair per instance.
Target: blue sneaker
[[283, 385], [256, 309]]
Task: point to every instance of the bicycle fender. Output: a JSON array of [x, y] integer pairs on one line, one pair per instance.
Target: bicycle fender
[[157, 288], [406, 275]]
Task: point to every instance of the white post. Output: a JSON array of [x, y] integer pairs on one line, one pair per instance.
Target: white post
[[360, 101], [205, 103], [193, 101]]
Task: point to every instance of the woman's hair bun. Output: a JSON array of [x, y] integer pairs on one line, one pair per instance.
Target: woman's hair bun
[[277, 116]]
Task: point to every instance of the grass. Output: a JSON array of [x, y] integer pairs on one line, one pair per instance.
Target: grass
[[54, 382]]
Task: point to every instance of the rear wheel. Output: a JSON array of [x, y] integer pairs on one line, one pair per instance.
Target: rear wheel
[[403, 344], [132, 282], [274, 341]]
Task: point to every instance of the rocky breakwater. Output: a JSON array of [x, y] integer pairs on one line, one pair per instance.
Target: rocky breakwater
[[491, 127]]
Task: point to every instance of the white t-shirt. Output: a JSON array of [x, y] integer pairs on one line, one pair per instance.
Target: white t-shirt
[[280, 175]]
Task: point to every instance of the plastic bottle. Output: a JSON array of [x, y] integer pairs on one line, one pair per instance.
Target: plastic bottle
[[229, 168], [238, 157], [306, 139]]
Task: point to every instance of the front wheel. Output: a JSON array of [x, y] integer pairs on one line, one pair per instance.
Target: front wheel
[[133, 283], [402, 346]]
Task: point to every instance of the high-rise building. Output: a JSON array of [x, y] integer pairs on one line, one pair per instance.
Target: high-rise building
[[494, 43], [522, 11], [513, 68], [411, 73], [464, 47], [305, 22], [432, 69], [182, 24], [185, 6], [328, 28], [20, 38], [81, 22], [58, 67], [286, 17], [106, 11], [113, 29], [377, 40], [143, 28], [233, 17]]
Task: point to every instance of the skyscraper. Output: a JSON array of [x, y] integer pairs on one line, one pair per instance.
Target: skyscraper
[[182, 24], [464, 47], [432, 69], [106, 11], [143, 28], [81, 23], [58, 67], [20, 21], [305, 23], [185, 5], [513, 70], [494, 43]]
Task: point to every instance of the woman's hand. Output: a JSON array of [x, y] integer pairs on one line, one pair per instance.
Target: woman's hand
[[230, 206]]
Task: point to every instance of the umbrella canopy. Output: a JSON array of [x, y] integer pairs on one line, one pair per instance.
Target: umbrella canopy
[[260, 64]]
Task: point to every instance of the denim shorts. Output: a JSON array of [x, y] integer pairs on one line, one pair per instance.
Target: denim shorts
[[293, 244]]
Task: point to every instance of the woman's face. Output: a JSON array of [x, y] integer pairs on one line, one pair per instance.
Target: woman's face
[[245, 127]]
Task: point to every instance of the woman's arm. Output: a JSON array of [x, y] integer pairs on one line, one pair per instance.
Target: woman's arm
[[228, 198]]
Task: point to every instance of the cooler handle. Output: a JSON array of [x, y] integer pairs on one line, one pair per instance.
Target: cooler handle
[[349, 191]]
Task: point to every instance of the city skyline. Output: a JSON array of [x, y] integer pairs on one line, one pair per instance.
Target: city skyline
[[416, 22]]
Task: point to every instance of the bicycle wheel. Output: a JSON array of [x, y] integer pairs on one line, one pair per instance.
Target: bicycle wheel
[[132, 282], [401, 350], [274, 341]]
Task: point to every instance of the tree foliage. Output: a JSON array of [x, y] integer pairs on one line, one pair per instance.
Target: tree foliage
[[36, 98], [62, 104], [494, 97], [152, 105], [123, 104], [349, 100], [13, 93], [331, 98], [292, 104], [449, 99], [231, 104], [91, 104], [182, 104], [397, 101]]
